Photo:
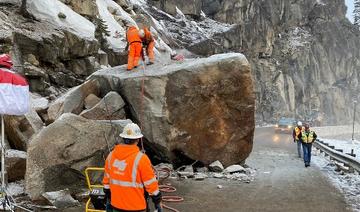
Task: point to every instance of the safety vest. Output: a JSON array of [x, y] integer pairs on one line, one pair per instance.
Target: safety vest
[[297, 132], [307, 137], [127, 173], [132, 35]]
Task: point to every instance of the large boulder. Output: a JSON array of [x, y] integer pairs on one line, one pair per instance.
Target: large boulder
[[110, 107], [202, 109], [19, 129], [59, 154], [73, 100]]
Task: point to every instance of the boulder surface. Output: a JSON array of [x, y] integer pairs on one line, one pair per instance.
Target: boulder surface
[[203, 109], [58, 155]]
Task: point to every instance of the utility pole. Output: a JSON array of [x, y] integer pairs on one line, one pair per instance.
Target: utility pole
[[353, 132]]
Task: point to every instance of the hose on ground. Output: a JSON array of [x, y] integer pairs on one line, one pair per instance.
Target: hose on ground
[[162, 174]]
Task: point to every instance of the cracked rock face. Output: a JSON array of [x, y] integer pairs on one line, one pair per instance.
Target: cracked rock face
[[56, 160]]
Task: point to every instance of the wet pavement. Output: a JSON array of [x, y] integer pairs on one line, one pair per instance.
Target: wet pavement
[[282, 183]]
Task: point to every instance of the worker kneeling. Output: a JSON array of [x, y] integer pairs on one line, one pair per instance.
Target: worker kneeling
[[148, 43], [128, 174]]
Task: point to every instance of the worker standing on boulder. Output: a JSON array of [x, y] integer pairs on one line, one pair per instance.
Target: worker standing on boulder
[[148, 43], [129, 173], [135, 47], [296, 134], [307, 138]]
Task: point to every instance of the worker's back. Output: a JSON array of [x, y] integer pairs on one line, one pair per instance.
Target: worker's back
[[127, 170], [132, 35]]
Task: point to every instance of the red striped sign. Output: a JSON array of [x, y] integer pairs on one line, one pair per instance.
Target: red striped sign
[[14, 93]]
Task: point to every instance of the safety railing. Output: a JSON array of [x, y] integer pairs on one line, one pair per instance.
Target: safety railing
[[337, 154]]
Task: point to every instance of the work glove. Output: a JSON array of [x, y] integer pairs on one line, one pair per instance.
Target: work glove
[[157, 201], [107, 193]]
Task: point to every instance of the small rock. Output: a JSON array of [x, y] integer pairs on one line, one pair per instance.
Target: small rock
[[216, 166], [218, 175], [202, 169], [189, 169], [38, 103], [186, 174], [200, 176], [61, 199], [234, 168], [91, 100], [32, 60], [219, 186], [61, 15]]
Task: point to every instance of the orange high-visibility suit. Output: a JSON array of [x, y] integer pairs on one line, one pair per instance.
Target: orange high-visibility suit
[[149, 43], [135, 47], [127, 173]]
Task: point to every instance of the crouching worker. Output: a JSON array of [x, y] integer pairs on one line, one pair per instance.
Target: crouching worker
[[128, 174], [148, 42], [135, 47]]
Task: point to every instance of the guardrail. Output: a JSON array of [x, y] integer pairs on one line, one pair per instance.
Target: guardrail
[[337, 154]]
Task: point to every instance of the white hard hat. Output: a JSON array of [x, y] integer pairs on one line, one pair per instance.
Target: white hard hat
[[299, 123], [131, 131], [141, 33]]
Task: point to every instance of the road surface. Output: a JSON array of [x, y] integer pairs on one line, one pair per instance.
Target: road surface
[[282, 183]]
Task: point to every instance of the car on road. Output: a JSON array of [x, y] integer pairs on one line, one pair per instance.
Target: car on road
[[285, 125]]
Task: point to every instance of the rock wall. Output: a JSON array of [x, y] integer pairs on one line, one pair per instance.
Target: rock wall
[[304, 55]]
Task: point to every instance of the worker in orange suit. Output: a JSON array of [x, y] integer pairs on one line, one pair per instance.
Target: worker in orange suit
[[129, 173], [135, 47], [148, 42]]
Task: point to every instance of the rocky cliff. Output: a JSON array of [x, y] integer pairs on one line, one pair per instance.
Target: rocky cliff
[[305, 54]]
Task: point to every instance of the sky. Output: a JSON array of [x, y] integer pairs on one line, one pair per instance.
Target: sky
[[350, 6]]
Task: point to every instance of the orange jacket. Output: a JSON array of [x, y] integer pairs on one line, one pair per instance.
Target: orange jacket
[[132, 35], [127, 172], [148, 38]]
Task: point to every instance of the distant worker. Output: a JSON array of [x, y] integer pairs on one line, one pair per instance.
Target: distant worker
[[135, 47], [148, 43], [296, 134], [128, 174], [307, 138]]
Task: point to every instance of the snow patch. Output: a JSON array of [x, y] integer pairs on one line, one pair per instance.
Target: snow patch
[[12, 153], [16, 188], [138, 2], [348, 184], [117, 44], [49, 11]]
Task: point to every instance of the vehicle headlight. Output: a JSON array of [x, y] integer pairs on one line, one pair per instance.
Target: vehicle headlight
[[277, 125], [289, 126]]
